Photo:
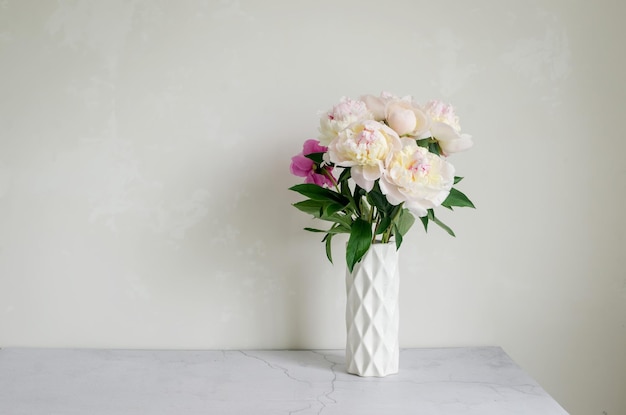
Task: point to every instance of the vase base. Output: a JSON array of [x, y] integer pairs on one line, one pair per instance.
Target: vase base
[[380, 366], [373, 374]]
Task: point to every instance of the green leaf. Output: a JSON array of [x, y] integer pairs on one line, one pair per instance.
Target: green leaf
[[404, 221], [318, 158], [345, 175], [376, 198], [359, 191], [359, 242], [442, 225], [315, 192], [431, 144], [399, 237], [424, 220], [339, 229], [423, 142], [346, 192], [331, 208], [329, 252], [456, 198], [335, 229], [344, 220], [434, 148], [383, 225], [312, 207], [457, 179], [402, 224], [345, 189]]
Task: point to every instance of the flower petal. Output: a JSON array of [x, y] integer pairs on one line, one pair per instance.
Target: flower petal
[[376, 105], [300, 165], [361, 180], [391, 192], [443, 132], [416, 208], [372, 172], [312, 146], [449, 139], [464, 142], [402, 121]]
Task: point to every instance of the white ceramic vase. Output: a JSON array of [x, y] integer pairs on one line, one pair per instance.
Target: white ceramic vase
[[372, 313]]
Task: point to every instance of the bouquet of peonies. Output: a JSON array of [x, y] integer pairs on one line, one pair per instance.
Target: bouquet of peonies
[[393, 154]]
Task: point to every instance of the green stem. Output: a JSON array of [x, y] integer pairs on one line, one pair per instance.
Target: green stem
[[378, 218], [388, 232], [355, 209], [365, 211], [332, 179]]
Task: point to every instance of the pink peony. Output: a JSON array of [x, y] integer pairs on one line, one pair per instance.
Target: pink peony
[[303, 166]]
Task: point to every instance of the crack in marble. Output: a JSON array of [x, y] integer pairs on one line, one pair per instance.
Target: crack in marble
[[332, 382], [301, 410], [275, 367], [531, 389], [290, 376]]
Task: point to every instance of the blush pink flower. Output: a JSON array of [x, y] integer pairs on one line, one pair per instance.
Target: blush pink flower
[[313, 173]]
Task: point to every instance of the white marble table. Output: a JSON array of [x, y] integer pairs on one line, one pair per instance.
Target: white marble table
[[481, 381]]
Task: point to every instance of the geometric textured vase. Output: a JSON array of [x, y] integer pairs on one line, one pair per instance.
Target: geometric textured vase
[[373, 314]]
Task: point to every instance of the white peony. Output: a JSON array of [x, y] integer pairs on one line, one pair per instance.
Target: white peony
[[406, 118], [449, 139], [446, 128], [366, 147], [420, 179], [403, 115], [346, 112]]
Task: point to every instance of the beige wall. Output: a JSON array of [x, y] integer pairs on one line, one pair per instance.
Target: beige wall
[[144, 153]]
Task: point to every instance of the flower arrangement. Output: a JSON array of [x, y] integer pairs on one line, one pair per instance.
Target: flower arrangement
[[393, 155]]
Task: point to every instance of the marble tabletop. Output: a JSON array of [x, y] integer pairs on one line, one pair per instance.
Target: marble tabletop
[[443, 381]]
